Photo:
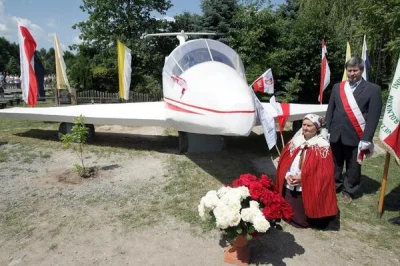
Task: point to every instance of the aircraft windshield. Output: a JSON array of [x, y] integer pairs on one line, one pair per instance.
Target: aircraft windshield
[[199, 51]]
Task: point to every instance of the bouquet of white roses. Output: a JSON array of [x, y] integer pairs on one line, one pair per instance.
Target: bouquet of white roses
[[245, 208]]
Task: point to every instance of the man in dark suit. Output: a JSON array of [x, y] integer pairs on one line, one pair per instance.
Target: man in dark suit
[[351, 119]]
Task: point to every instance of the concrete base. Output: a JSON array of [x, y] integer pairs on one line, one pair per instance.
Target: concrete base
[[65, 128], [193, 143]]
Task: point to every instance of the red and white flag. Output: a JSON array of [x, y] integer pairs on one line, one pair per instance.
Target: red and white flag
[[27, 47], [283, 110], [389, 132], [325, 72], [265, 83]]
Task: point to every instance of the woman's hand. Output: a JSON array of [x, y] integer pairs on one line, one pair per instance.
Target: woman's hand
[[293, 180]]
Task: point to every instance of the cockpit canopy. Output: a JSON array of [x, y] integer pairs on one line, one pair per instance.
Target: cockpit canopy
[[198, 51]]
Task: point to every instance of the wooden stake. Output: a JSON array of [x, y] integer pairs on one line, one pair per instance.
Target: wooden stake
[[383, 184]]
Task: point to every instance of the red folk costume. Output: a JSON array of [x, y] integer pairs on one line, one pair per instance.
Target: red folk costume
[[317, 174]]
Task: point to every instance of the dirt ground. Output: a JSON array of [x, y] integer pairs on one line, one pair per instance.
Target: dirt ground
[[52, 218]]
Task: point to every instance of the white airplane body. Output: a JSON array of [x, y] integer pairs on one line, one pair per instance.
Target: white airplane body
[[205, 92]]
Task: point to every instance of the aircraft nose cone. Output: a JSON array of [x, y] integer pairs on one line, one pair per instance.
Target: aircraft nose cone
[[219, 96]]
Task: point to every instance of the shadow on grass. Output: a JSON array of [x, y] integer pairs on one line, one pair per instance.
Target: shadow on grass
[[392, 200], [273, 247], [163, 144], [226, 166], [368, 186]]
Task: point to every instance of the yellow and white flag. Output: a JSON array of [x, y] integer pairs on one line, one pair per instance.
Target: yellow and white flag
[[61, 69], [348, 56], [124, 70]]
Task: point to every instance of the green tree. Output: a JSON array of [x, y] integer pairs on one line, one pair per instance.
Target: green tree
[[188, 22], [255, 35], [12, 66], [218, 16], [126, 20], [7, 51], [76, 140]]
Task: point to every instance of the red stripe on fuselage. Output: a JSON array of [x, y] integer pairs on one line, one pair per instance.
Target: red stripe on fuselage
[[179, 109], [211, 110]]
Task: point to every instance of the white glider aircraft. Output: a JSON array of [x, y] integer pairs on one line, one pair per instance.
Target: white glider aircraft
[[205, 92]]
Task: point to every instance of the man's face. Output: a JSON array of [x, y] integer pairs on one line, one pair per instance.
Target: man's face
[[353, 73]]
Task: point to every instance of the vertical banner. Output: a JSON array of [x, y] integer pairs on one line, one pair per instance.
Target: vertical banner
[[364, 57], [61, 69], [389, 132], [39, 72], [124, 70], [27, 47], [348, 56]]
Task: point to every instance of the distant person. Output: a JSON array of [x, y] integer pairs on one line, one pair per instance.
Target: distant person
[[1, 89], [1, 77], [353, 114], [305, 176]]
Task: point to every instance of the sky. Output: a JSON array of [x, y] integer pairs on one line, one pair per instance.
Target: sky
[[43, 18]]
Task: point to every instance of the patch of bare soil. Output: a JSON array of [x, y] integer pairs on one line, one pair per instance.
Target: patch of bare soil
[[50, 216]]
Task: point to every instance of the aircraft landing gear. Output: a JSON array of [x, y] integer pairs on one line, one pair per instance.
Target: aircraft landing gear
[[65, 128], [194, 143]]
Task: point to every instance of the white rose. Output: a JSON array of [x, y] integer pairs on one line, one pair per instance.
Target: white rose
[[244, 192], [222, 191], [211, 199], [221, 213], [261, 224], [254, 204], [247, 215], [234, 218]]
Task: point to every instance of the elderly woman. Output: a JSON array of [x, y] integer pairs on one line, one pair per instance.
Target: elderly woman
[[305, 176]]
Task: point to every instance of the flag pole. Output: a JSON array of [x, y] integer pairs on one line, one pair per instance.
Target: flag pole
[[277, 150], [383, 184], [283, 143]]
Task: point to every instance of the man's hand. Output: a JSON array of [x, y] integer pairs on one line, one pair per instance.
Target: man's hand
[[364, 145]]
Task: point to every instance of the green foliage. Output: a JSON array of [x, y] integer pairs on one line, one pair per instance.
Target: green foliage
[[12, 66], [7, 52], [286, 39], [255, 36], [290, 90], [76, 140], [150, 86], [104, 78], [218, 16]]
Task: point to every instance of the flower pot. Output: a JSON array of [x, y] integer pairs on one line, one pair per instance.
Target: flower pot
[[238, 253]]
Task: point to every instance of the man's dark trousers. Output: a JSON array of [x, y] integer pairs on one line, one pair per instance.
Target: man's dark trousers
[[349, 181]]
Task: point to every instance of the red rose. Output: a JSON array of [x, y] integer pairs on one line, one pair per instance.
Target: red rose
[[287, 212], [244, 180], [267, 197], [266, 182], [272, 212], [256, 190]]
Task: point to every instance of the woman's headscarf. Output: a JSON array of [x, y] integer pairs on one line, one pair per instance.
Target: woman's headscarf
[[315, 119]]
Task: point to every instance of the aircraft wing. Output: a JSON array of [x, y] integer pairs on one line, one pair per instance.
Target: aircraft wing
[[298, 111], [126, 114]]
